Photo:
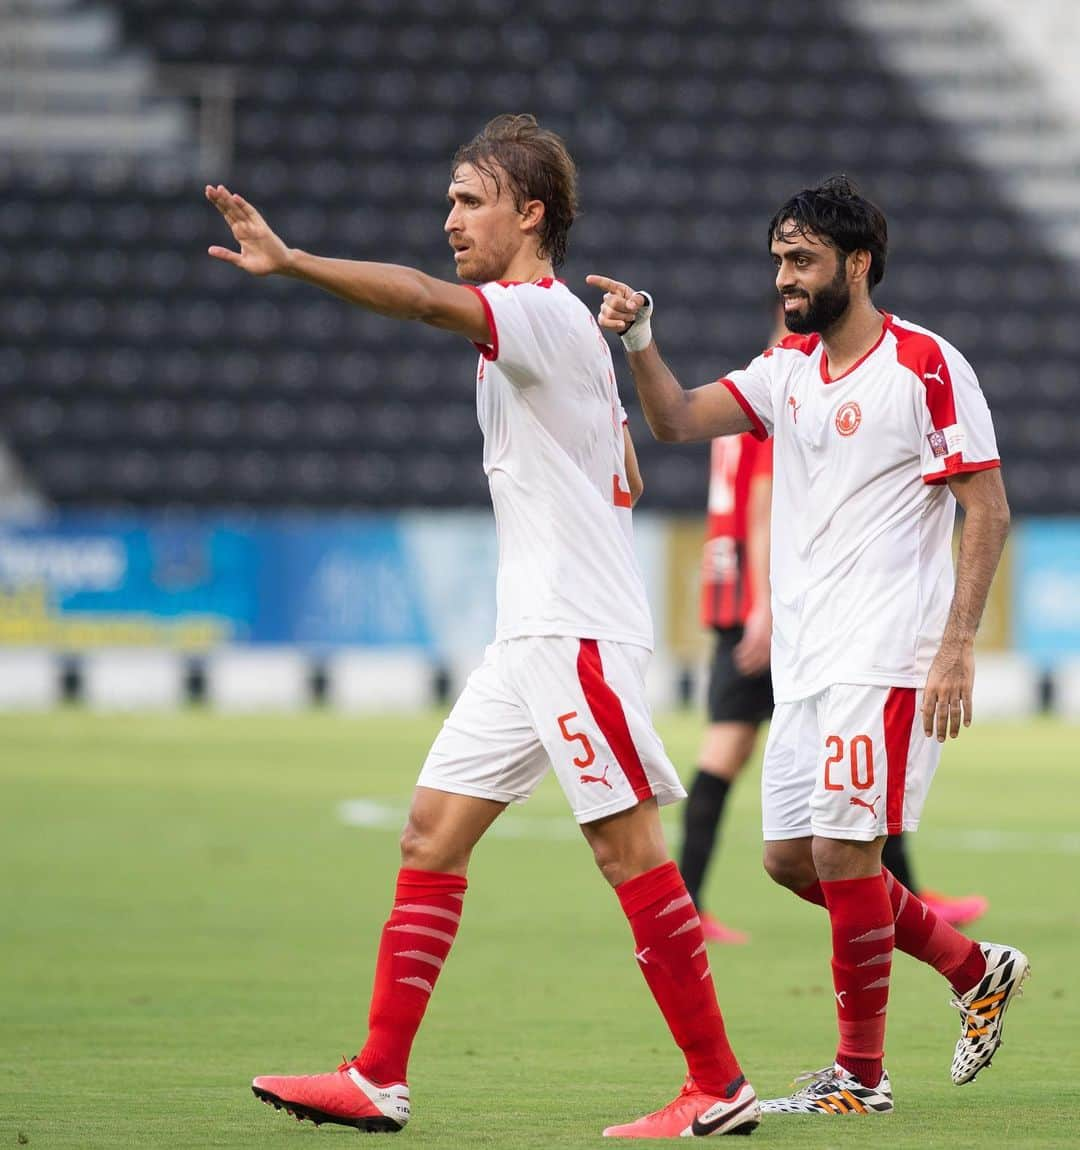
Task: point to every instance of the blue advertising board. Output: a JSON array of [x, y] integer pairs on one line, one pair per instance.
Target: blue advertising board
[[1046, 589], [83, 581]]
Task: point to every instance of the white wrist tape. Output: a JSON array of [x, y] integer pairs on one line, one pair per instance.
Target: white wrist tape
[[638, 335]]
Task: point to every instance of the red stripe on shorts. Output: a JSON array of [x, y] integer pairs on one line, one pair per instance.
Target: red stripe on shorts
[[899, 719], [610, 718]]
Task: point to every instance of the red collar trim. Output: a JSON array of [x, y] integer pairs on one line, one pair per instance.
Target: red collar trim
[[862, 358], [544, 282]]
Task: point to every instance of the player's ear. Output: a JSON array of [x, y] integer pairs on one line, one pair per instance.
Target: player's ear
[[859, 262], [532, 214]]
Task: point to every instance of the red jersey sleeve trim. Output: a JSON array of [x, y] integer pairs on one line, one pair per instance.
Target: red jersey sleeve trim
[[490, 351], [757, 428], [952, 469]]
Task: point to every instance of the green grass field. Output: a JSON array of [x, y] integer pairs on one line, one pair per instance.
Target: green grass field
[[183, 906]]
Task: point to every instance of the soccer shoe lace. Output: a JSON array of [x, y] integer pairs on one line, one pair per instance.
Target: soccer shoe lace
[[832, 1090], [344, 1097], [982, 1009], [695, 1114]]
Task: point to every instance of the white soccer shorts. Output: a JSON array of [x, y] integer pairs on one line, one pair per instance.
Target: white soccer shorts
[[851, 762], [575, 704]]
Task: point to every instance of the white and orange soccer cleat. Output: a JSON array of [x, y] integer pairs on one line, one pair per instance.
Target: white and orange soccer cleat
[[982, 1009], [833, 1090], [695, 1114], [344, 1096]]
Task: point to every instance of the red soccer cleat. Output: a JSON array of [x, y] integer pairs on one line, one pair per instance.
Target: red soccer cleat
[[695, 1114], [345, 1097], [956, 911], [715, 931]]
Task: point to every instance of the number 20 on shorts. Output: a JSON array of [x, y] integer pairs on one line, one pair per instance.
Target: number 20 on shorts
[[577, 736], [859, 757]]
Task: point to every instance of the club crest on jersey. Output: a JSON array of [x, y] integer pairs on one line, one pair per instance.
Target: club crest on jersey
[[938, 444], [848, 419]]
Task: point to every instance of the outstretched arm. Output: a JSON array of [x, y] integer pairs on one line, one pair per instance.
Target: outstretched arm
[[947, 697], [391, 290], [674, 415]]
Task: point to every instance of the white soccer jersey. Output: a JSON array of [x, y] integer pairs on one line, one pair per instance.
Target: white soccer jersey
[[862, 522], [555, 460]]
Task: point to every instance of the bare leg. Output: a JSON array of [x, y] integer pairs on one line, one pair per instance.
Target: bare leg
[[443, 828], [628, 844]]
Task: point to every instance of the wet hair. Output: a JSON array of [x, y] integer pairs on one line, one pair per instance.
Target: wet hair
[[536, 165], [834, 211]]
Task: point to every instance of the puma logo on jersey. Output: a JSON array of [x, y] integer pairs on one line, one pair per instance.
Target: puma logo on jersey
[[857, 802], [598, 778], [794, 408], [935, 376]]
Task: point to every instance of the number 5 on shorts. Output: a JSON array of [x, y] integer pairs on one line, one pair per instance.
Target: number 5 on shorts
[[579, 736]]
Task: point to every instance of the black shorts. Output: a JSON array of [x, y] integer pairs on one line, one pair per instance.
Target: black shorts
[[735, 697]]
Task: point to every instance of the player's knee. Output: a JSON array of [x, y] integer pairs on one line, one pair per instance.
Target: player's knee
[[610, 860], [794, 870], [619, 862], [422, 849]]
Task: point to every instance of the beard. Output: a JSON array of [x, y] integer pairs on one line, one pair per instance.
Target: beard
[[823, 309], [485, 264]]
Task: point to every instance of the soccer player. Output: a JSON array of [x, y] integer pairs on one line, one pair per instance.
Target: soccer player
[[880, 429], [563, 682], [735, 606]]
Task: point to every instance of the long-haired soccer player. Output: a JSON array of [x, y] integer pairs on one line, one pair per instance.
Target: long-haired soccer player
[[563, 682], [880, 430]]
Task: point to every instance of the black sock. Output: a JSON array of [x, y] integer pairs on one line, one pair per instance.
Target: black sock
[[701, 817], [894, 858]]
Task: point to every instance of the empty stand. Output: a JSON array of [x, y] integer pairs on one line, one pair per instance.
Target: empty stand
[[135, 371]]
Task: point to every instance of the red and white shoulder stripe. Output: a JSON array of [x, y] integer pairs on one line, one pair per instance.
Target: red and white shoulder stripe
[[924, 355]]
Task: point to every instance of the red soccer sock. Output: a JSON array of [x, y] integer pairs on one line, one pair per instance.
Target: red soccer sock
[[920, 933], [671, 953], [414, 945], [862, 933], [813, 893]]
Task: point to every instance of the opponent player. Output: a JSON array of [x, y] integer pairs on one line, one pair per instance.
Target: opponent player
[[735, 606], [563, 682], [880, 428]]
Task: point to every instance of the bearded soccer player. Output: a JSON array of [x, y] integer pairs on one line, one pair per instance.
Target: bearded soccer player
[[563, 682], [880, 428]]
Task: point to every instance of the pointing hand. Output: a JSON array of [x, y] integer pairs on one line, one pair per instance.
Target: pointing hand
[[621, 303]]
